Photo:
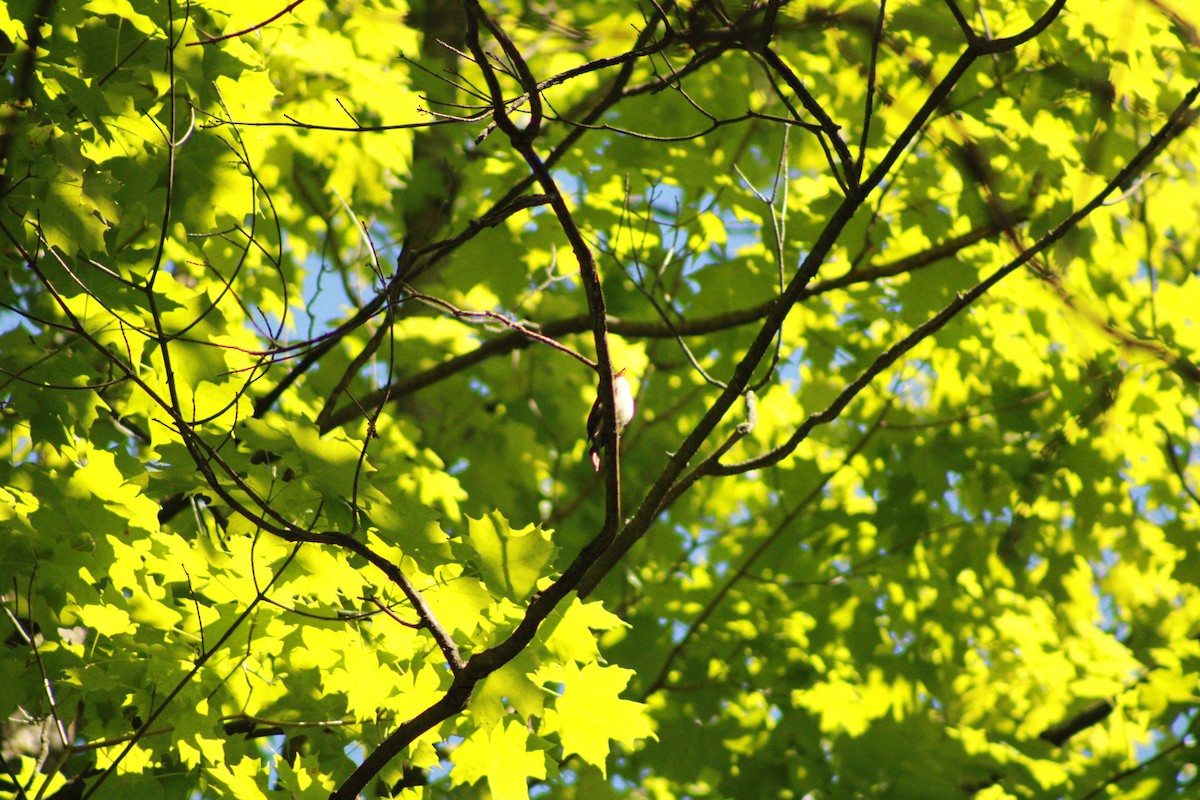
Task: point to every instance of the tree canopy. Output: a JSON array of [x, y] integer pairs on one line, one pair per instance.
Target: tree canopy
[[306, 303]]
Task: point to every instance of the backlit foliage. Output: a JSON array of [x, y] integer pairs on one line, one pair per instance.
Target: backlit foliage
[[305, 304]]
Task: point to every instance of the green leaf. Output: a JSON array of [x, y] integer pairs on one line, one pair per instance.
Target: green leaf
[[512, 561], [589, 711], [500, 753]]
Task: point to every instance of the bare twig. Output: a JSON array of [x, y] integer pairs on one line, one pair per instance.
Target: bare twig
[[290, 7]]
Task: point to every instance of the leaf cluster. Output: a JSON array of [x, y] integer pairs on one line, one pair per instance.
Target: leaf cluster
[[304, 309]]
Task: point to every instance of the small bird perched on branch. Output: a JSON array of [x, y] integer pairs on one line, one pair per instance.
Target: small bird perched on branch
[[597, 434]]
